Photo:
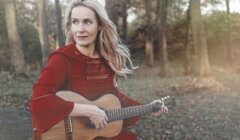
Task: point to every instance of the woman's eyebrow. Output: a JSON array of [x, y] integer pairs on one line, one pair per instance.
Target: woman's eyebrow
[[88, 19], [74, 18], [83, 18]]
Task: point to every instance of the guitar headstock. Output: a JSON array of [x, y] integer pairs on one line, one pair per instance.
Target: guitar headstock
[[168, 102]]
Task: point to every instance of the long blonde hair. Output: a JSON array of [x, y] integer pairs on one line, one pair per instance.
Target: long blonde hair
[[108, 42]]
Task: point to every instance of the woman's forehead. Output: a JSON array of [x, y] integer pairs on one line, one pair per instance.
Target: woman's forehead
[[82, 12]]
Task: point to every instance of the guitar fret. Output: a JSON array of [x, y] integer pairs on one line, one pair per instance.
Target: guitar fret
[[140, 110], [137, 109], [117, 114], [125, 113], [128, 109], [114, 115], [121, 113], [144, 109], [131, 111], [134, 111], [110, 116]]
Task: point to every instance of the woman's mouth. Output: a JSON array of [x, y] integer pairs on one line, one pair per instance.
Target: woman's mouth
[[82, 37]]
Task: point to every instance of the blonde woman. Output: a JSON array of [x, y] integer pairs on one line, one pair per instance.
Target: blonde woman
[[88, 66]]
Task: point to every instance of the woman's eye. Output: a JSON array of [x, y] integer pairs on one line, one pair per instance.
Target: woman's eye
[[75, 21], [88, 22]]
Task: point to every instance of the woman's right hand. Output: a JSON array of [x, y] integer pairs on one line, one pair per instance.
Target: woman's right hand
[[97, 116]]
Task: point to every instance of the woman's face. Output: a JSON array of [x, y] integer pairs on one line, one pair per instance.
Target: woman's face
[[84, 26]]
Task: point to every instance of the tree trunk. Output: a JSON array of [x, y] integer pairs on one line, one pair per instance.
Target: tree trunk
[[149, 38], [149, 53], [163, 40], [117, 12], [124, 17], [60, 42], [187, 55], [112, 10], [200, 43], [43, 36], [17, 56], [228, 45]]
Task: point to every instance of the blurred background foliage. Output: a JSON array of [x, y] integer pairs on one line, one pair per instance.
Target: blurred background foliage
[[217, 23]]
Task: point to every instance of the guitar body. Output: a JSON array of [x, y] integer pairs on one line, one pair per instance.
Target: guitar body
[[81, 128], [80, 125]]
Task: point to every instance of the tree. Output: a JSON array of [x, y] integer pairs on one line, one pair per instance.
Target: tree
[[117, 11], [163, 5], [60, 41], [187, 52], [124, 18], [149, 37], [43, 36], [112, 10], [28, 30], [202, 67], [17, 57], [228, 45]]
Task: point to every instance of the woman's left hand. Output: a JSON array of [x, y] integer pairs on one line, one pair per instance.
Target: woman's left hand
[[163, 108]]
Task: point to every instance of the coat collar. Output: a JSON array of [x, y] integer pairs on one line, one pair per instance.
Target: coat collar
[[71, 51]]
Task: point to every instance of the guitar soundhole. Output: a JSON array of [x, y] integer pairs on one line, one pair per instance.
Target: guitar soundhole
[[90, 124]]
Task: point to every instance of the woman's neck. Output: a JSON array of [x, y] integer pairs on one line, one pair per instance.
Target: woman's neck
[[88, 51]]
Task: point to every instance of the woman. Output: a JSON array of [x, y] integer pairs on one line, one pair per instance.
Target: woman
[[87, 65]]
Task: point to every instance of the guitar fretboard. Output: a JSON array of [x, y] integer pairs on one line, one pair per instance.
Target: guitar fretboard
[[128, 112]]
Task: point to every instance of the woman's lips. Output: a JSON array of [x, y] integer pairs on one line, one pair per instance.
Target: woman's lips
[[82, 37]]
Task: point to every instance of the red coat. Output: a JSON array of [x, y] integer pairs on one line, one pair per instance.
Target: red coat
[[68, 69]]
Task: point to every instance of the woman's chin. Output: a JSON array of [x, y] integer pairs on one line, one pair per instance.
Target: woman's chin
[[83, 44]]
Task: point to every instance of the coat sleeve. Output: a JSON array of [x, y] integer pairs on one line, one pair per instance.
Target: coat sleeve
[[48, 109], [126, 102]]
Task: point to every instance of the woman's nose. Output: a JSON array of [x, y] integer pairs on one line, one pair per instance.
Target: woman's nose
[[80, 27]]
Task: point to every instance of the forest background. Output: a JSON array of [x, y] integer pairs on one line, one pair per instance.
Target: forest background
[[184, 48]]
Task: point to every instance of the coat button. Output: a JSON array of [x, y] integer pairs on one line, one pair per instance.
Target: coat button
[[76, 53]]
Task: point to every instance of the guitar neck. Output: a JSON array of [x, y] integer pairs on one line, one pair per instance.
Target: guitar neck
[[129, 112]]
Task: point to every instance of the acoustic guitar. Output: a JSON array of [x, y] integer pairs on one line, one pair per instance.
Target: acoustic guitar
[[80, 128]]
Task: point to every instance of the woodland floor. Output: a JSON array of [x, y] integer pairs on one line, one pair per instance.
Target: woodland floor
[[206, 108]]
